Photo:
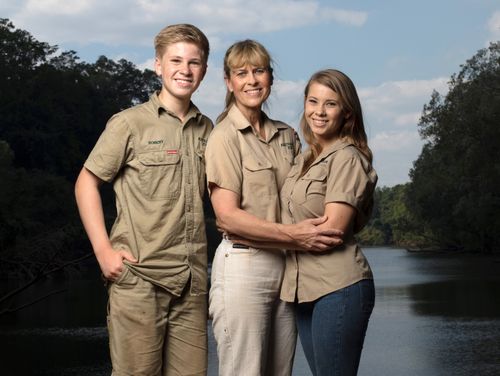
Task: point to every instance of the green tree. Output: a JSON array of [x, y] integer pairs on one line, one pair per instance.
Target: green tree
[[455, 181], [52, 109], [392, 223], [38, 219]]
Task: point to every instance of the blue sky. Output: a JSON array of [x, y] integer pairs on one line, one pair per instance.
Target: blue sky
[[395, 51]]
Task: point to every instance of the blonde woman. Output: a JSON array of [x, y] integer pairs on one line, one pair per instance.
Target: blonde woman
[[248, 157]]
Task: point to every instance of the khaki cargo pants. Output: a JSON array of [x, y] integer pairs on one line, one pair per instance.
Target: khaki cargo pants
[[155, 333]]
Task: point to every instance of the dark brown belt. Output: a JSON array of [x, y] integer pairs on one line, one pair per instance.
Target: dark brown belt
[[240, 246]]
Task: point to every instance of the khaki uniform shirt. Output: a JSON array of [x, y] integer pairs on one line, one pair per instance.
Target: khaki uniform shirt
[[339, 174], [240, 161], [156, 165]]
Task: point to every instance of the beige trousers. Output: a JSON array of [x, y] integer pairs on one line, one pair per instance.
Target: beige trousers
[[155, 333], [255, 331]]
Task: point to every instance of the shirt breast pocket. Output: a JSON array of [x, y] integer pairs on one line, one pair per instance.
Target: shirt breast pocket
[[160, 175], [312, 186], [259, 177]]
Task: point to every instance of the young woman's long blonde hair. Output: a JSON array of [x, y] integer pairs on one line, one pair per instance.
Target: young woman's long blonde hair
[[352, 130], [239, 54]]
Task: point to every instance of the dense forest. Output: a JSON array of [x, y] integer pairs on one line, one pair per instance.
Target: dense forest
[[54, 106], [453, 198]]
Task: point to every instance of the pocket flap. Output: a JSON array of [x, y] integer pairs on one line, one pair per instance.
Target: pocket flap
[[158, 158], [256, 165], [317, 174]]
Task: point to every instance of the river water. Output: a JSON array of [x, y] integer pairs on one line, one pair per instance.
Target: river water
[[434, 315]]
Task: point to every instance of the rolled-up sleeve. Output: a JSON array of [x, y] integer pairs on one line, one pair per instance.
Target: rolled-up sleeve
[[351, 180], [112, 150], [223, 161]]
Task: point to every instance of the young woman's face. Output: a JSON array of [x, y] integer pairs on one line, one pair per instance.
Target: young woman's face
[[251, 86], [323, 113]]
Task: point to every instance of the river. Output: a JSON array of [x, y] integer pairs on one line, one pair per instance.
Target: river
[[434, 315]]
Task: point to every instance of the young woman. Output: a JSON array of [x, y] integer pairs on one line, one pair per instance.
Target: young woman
[[333, 290], [248, 157]]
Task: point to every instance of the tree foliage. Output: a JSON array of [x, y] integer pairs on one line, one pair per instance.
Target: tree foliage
[[38, 217], [455, 182], [392, 223], [53, 106], [52, 109]]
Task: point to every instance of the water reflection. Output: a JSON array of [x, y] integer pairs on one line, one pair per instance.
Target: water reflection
[[434, 315], [457, 298]]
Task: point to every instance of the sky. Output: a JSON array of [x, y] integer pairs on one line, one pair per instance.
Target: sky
[[395, 51]]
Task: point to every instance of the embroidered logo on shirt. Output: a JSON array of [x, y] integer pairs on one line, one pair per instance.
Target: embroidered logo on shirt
[[172, 151], [155, 142], [288, 145]]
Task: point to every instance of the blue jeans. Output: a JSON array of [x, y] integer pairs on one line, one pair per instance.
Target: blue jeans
[[332, 329]]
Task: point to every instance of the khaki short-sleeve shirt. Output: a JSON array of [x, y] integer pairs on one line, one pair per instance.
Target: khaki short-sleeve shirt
[[157, 166], [240, 161], [339, 174]]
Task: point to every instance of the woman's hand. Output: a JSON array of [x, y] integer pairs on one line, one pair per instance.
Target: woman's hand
[[307, 235], [312, 235]]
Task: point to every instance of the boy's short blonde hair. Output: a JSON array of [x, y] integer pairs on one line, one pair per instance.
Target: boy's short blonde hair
[[181, 33]]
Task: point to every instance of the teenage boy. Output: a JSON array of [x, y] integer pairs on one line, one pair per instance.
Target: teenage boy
[[155, 255]]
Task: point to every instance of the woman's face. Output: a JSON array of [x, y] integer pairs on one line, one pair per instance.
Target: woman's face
[[251, 86], [323, 113]]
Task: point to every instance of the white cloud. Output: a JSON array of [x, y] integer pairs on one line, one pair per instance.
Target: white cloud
[[410, 119], [148, 64], [345, 16], [494, 26], [394, 141], [10, 7], [394, 153], [398, 103], [134, 22], [59, 7], [389, 91], [393, 167], [392, 111]]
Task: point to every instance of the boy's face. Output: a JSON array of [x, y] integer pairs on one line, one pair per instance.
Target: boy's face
[[181, 69]]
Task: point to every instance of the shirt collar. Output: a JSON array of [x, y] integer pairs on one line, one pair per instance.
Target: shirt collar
[[159, 107], [336, 146], [241, 122]]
